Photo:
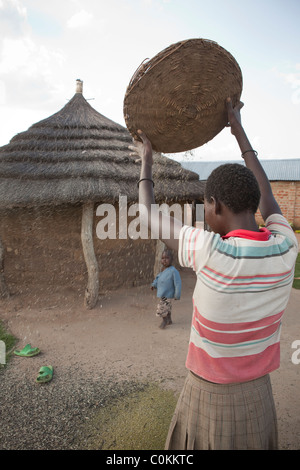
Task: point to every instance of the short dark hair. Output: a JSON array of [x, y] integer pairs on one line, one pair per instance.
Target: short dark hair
[[234, 185]]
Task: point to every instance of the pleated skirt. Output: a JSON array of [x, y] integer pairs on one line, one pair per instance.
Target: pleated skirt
[[211, 416]]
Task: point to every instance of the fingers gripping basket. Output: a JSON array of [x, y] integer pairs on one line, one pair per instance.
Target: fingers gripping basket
[[178, 98]]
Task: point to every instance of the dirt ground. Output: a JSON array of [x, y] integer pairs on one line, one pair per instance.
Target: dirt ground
[[121, 337]]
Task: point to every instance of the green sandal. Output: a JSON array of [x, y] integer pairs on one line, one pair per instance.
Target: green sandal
[[45, 374], [27, 351]]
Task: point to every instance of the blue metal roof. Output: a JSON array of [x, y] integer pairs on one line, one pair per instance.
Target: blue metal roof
[[276, 170]]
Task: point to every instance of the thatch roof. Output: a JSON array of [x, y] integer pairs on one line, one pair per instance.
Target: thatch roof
[[78, 155]]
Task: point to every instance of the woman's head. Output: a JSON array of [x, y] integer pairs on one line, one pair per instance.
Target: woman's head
[[235, 186]]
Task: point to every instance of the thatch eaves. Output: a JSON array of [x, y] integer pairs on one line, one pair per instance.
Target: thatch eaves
[[78, 155]]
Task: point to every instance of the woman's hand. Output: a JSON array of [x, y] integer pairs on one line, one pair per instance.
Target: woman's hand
[[234, 116], [142, 148]]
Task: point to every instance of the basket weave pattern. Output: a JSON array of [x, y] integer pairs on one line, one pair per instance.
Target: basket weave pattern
[[178, 98]]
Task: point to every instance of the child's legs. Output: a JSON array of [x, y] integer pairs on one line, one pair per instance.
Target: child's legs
[[164, 310], [164, 307]]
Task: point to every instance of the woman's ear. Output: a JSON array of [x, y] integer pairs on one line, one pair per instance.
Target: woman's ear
[[218, 207]]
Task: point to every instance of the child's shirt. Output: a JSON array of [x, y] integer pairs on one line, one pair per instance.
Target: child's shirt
[[168, 283], [243, 286]]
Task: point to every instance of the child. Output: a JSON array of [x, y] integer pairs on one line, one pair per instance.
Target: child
[[168, 285], [244, 279]]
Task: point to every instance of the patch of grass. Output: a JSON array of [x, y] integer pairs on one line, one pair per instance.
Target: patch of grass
[[296, 283], [297, 267], [138, 421], [8, 339]]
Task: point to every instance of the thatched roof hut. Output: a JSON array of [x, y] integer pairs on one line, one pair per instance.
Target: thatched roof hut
[[78, 156]]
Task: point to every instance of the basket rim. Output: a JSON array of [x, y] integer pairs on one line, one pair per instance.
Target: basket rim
[[165, 53]]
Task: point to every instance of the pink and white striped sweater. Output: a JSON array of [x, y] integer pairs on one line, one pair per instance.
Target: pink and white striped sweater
[[243, 285]]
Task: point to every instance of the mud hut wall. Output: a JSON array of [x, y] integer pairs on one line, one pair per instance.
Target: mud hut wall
[[43, 250]]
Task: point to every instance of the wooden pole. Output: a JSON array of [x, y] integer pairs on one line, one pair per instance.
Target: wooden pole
[[92, 289]]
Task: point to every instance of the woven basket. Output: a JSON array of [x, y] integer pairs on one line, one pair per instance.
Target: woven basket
[[178, 98]]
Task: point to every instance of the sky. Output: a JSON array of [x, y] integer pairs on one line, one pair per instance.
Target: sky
[[45, 46]]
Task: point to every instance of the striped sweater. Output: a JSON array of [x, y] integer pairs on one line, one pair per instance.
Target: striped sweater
[[243, 285]]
